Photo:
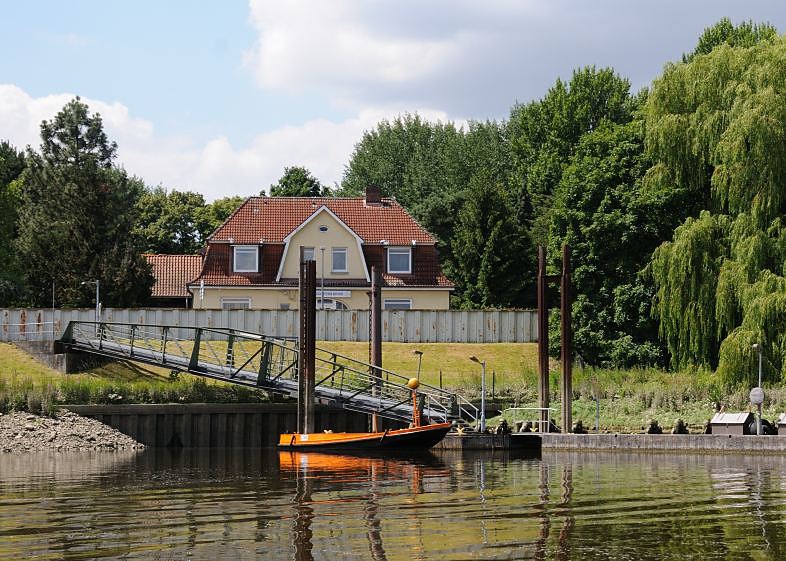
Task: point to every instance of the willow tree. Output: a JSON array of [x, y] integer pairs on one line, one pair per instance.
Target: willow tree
[[716, 128]]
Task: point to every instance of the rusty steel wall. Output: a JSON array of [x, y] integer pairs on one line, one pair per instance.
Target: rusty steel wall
[[412, 326]]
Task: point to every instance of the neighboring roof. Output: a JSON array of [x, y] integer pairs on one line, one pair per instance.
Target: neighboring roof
[[172, 273], [271, 219]]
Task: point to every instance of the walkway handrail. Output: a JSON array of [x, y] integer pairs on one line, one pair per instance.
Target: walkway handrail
[[269, 363]]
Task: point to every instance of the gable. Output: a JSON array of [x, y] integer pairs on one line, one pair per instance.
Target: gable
[[323, 229]]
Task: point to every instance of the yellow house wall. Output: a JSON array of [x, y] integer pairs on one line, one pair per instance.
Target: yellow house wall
[[337, 236], [271, 299]]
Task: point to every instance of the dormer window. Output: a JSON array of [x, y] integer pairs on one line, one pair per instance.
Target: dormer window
[[245, 259], [400, 260]]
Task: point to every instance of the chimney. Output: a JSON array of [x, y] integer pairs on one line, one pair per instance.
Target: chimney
[[373, 196]]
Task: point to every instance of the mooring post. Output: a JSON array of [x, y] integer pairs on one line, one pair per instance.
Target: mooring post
[[376, 339], [543, 342], [307, 342], [566, 335]]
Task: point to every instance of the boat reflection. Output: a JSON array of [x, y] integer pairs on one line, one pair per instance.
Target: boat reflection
[[314, 470]]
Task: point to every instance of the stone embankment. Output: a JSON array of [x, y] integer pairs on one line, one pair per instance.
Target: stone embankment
[[23, 432]]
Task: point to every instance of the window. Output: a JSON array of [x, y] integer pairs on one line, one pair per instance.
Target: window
[[339, 260], [331, 304], [308, 254], [284, 306], [399, 260], [398, 304], [246, 259], [235, 303]]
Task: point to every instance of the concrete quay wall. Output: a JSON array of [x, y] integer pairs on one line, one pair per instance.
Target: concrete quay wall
[[706, 443], [236, 425]]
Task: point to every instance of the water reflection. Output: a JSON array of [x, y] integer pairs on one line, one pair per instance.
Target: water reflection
[[251, 504]]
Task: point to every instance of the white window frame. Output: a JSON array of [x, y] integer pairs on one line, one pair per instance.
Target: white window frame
[[244, 249], [333, 252], [401, 251], [235, 303], [396, 304], [313, 251]]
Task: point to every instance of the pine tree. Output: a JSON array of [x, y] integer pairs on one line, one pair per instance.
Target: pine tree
[[76, 216]]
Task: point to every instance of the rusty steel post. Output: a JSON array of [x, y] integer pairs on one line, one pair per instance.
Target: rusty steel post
[[543, 341], [307, 344], [566, 335], [376, 338]]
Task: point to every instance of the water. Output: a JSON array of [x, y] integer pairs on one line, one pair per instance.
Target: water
[[199, 505]]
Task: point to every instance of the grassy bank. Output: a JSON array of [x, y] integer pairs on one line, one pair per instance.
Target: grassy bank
[[629, 399], [27, 385]]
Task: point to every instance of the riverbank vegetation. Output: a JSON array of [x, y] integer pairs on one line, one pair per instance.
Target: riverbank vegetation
[[27, 385]]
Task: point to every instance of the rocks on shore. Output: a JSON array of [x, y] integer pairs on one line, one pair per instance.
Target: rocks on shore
[[23, 432]]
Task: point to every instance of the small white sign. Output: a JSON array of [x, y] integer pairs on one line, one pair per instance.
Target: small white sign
[[333, 294], [757, 396]]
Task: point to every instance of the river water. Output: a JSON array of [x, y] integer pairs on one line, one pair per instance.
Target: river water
[[244, 504]]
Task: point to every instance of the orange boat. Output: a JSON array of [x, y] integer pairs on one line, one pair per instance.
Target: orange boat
[[414, 438]]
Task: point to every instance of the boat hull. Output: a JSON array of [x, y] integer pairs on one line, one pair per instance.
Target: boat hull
[[416, 438]]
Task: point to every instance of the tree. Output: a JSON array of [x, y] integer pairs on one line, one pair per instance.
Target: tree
[[298, 182], [12, 163], [543, 134], [715, 129], [76, 216], [171, 222], [612, 227], [490, 253], [725, 32]]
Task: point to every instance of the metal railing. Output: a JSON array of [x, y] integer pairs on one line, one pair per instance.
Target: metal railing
[[269, 363]]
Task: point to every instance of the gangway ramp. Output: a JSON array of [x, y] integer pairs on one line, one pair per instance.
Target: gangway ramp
[[267, 363]]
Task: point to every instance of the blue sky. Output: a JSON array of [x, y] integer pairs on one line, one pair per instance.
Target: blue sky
[[218, 97]]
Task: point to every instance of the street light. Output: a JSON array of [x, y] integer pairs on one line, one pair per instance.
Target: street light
[[482, 423], [98, 297], [420, 359], [757, 393]]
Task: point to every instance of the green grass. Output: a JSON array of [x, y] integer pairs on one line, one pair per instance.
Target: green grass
[[629, 399], [27, 385]]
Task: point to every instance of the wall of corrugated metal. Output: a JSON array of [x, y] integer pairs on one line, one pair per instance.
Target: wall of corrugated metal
[[415, 326]]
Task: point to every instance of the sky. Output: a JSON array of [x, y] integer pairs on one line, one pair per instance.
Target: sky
[[219, 97]]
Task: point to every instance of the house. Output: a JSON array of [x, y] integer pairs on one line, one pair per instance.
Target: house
[[251, 261], [172, 273]]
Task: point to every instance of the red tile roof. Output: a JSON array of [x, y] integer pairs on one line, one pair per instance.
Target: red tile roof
[[266, 221], [172, 273], [272, 218]]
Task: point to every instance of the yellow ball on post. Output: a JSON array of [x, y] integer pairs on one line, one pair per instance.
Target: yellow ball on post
[[413, 383]]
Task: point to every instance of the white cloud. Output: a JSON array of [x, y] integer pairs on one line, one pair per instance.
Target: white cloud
[[216, 168], [468, 57]]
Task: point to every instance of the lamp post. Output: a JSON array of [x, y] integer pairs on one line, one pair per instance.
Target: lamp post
[[482, 423], [420, 360], [757, 393], [98, 297]]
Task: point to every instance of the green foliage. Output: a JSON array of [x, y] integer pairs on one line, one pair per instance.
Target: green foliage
[[715, 127], [298, 182], [76, 216], [725, 32], [12, 163], [611, 228], [23, 394], [544, 133], [171, 222], [490, 254]]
